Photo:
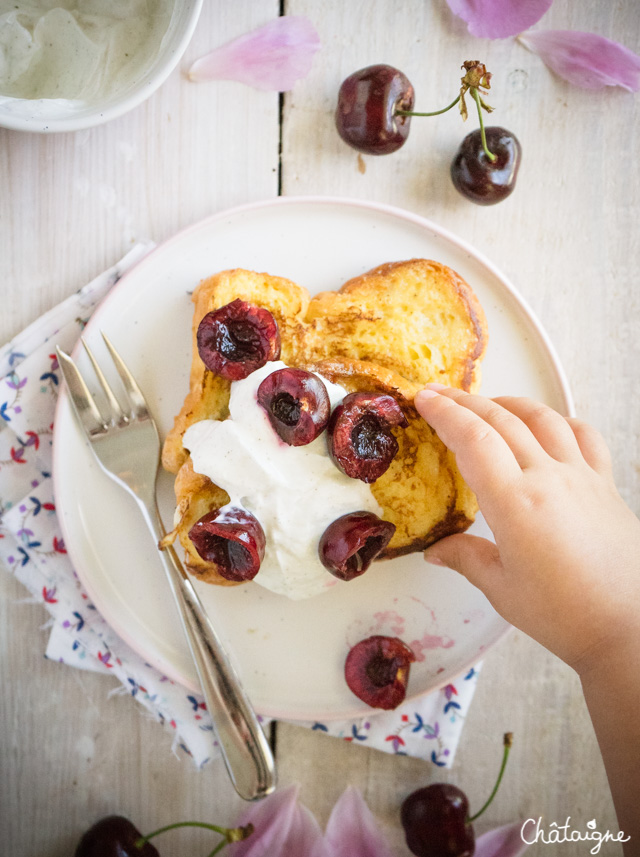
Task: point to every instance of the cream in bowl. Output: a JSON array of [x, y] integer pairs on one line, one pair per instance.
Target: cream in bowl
[[70, 64]]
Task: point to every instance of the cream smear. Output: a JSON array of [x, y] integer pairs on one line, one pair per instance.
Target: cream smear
[[295, 492], [86, 50]]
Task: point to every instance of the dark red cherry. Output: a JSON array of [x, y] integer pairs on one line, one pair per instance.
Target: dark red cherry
[[377, 671], [360, 440], [237, 339], [113, 836], [350, 544], [366, 113], [233, 540], [481, 180], [297, 404], [434, 819]]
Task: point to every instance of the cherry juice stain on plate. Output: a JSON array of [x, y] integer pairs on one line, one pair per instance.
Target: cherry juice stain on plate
[[428, 642], [386, 623], [426, 607]]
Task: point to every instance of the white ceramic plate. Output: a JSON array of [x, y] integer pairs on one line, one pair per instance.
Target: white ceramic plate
[[290, 655]]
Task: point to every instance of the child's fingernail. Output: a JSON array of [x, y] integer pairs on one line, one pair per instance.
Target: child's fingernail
[[432, 558], [435, 386], [423, 395]]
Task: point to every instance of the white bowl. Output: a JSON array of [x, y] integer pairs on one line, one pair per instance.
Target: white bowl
[[46, 115]]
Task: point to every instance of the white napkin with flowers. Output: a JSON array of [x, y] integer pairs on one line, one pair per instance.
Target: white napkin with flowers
[[32, 548]]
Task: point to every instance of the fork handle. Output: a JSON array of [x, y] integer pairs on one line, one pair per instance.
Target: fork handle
[[245, 749]]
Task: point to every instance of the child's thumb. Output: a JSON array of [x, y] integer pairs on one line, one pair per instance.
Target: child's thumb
[[474, 557]]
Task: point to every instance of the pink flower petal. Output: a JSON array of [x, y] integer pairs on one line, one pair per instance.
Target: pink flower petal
[[272, 819], [585, 59], [305, 837], [352, 830], [502, 842], [499, 19], [272, 57], [282, 828]]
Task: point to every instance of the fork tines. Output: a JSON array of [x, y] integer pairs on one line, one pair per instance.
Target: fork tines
[[83, 400]]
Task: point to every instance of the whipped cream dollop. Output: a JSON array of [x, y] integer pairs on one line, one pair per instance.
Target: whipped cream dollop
[[295, 492]]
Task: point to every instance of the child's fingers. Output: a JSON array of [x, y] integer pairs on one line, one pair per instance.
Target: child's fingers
[[549, 428], [592, 446], [475, 558], [514, 432], [483, 457]]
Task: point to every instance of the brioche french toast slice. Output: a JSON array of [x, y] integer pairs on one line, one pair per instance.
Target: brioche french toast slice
[[421, 493], [417, 318], [389, 331]]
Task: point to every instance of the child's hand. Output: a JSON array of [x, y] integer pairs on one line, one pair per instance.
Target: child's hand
[[565, 568]]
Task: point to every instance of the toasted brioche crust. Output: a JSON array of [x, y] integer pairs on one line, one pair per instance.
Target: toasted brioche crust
[[418, 318], [391, 330]]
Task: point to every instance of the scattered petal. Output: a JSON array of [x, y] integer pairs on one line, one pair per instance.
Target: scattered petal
[[499, 19], [305, 837], [502, 842], [585, 59], [282, 827], [352, 830], [272, 57], [271, 819]]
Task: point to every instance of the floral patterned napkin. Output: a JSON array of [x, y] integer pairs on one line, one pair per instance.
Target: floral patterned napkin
[[32, 548]]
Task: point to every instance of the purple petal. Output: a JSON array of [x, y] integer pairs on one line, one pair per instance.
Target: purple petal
[[352, 830], [499, 19], [502, 842], [272, 57], [585, 59], [282, 827]]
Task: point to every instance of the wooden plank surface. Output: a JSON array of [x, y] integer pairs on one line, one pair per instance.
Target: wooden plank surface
[[72, 205], [70, 749], [565, 239]]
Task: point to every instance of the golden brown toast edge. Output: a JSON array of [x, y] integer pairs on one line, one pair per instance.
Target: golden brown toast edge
[[375, 310]]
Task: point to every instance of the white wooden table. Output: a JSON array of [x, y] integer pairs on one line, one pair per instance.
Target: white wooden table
[[71, 205]]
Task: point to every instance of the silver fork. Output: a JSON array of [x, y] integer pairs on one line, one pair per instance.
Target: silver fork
[[127, 447]]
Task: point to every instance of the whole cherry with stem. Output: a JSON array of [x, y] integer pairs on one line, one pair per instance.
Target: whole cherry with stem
[[116, 836], [437, 821], [375, 107]]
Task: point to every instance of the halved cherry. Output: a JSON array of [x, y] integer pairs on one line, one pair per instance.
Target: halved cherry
[[297, 404], [360, 440], [377, 671], [237, 339], [232, 539], [350, 544]]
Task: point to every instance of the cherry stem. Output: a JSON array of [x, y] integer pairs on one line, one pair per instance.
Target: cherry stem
[[483, 136], [435, 112], [508, 741], [231, 834]]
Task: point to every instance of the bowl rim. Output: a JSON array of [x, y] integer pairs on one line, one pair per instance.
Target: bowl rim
[[118, 106]]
